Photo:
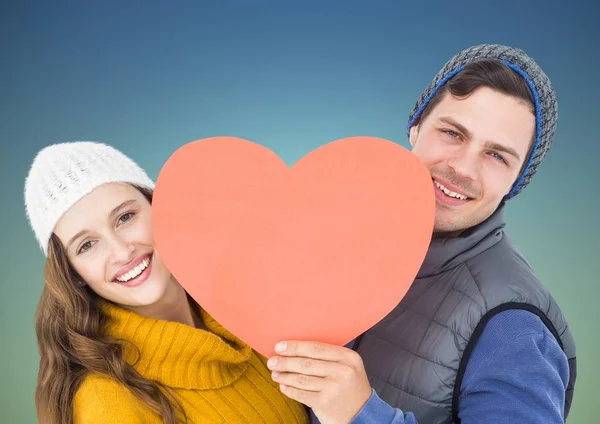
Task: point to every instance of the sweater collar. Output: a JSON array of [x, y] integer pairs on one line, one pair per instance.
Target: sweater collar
[[445, 253], [176, 354]]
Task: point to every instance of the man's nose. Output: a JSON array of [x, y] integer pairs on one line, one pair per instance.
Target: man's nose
[[465, 163]]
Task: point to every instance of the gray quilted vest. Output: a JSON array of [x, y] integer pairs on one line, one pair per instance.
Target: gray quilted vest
[[416, 357]]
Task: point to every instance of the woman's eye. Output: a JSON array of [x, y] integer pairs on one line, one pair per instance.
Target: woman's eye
[[85, 247], [125, 217]]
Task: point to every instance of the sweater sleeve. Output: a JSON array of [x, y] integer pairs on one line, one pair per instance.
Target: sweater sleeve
[[100, 399], [517, 373]]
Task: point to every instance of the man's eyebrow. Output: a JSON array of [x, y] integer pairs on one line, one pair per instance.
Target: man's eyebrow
[[457, 125], [499, 147], [489, 144]]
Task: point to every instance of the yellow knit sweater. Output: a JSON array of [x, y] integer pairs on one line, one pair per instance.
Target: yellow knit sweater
[[216, 377]]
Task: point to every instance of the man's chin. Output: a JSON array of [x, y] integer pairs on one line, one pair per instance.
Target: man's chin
[[449, 226], [452, 223]]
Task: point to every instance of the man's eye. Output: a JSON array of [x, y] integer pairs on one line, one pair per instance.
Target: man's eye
[[452, 134], [498, 157]]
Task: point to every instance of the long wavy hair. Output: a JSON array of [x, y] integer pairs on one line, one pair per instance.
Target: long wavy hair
[[69, 327]]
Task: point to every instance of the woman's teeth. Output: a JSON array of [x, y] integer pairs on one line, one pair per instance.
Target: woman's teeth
[[134, 272], [450, 192]]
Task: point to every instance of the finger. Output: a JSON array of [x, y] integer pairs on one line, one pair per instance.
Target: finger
[[299, 381], [306, 366], [305, 397], [315, 350]]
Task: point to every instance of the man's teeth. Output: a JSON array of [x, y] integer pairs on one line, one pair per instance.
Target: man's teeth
[[450, 192], [134, 272]]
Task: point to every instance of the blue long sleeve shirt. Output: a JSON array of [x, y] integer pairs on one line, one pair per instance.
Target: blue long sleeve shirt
[[517, 373]]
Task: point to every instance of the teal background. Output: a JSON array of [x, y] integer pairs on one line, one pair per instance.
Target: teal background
[[148, 77]]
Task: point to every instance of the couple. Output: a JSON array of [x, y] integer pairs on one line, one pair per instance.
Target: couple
[[477, 338]]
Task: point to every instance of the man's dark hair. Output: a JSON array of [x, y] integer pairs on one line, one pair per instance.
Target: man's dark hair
[[483, 73]]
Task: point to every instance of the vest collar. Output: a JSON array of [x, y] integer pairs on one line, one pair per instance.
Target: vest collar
[[445, 253]]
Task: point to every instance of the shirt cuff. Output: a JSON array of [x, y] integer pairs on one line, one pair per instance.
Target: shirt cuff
[[377, 411]]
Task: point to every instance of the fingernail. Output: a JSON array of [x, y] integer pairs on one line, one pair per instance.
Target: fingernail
[[275, 374], [280, 347], [272, 362]]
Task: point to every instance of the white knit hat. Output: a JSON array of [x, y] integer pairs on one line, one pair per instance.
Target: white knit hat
[[63, 173]]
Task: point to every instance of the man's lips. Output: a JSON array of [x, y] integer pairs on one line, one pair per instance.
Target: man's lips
[[130, 266], [455, 189]]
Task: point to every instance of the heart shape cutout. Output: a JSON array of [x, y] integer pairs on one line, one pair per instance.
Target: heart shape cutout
[[321, 250]]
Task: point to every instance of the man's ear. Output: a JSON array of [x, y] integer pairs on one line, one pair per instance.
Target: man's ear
[[414, 133]]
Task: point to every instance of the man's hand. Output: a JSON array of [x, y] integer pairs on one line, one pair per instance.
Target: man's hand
[[329, 379]]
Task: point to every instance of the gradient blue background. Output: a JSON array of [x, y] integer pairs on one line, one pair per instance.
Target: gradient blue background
[[150, 78]]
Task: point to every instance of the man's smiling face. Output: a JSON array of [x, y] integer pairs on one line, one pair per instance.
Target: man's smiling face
[[474, 148]]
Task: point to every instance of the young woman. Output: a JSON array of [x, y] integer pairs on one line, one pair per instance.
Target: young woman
[[120, 340]]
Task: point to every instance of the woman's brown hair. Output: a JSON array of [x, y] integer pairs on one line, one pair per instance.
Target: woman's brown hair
[[69, 328]]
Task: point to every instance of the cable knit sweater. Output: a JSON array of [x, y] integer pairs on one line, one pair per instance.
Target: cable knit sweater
[[216, 377]]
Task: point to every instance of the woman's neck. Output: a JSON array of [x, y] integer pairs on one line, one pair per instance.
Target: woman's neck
[[175, 305]]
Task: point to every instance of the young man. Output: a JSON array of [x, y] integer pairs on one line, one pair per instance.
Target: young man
[[477, 339]]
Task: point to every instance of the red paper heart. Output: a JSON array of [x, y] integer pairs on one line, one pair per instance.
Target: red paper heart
[[321, 251]]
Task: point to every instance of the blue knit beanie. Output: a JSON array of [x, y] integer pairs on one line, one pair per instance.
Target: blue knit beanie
[[546, 108]]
